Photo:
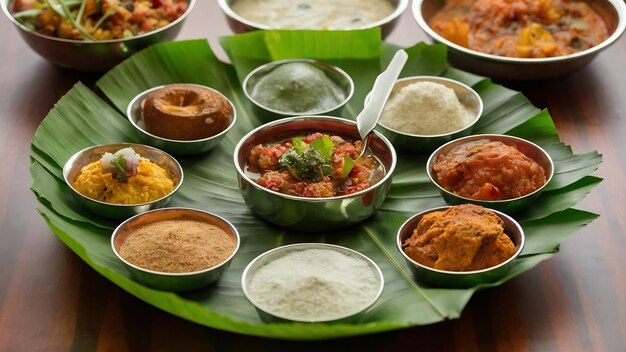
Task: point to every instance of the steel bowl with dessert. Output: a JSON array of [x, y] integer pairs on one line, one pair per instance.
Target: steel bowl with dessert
[[507, 205], [613, 12], [308, 213], [240, 24], [460, 279], [333, 76], [74, 165], [181, 145], [93, 55], [174, 281], [412, 142]]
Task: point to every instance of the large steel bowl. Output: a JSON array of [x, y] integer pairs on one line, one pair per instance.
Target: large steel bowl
[[240, 24], [312, 214], [95, 56], [523, 69]]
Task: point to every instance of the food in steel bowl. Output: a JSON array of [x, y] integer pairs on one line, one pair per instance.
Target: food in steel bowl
[[118, 181], [521, 28], [461, 238], [175, 249], [346, 194], [316, 166], [182, 118], [460, 246], [312, 282], [124, 178], [246, 15], [73, 46], [612, 12], [500, 172], [488, 170], [94, 19], [297, 87], [424, 112], [186, 112]]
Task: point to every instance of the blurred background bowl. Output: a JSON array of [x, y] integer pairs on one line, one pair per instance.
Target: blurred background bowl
[[269, 316], [174, 146], [508, 206], [177, 282], [334, 73], [95, 56], [523, 69], [460, 279], [421, 143], [76, 162], [312, 214], [239, 24]]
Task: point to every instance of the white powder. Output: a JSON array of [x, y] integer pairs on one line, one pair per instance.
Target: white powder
[[425, 108], [314, 285]]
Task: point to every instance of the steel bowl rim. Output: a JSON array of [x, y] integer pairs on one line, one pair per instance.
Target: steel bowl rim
[[344, 74], [477, 137], [399, 9], [479, 110], [253, 183], [184, 274], [4, 3], [138, 98], [618, 5], [70, 163], [313, 245], [500, 214]]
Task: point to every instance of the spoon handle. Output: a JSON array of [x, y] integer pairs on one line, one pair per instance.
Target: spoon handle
[[368, 118]]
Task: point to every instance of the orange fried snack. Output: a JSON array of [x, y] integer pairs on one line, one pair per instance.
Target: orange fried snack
[[461, 238]]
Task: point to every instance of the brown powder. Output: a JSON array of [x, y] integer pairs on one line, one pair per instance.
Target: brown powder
[[177, 246]]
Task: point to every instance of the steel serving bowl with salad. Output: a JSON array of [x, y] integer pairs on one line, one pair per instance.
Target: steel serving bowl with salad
[[306, 173], [90, 35]]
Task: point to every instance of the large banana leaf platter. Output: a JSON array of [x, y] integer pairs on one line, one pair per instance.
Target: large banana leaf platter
[[83, 118]]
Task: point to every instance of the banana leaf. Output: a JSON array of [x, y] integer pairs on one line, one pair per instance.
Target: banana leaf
[[82, 118]]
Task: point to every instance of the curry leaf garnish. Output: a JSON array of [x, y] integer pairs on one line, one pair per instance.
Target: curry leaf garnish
[[119, 163], [309, 162]]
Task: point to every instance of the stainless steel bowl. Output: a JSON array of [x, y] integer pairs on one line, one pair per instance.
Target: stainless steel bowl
[[176, 147], [460, 279], [239, 24], [334, 73], [266, 312], [508, 68], [420, 143], [177, 282], [312, 214], [93, 56], [76, 162], [508, 206]]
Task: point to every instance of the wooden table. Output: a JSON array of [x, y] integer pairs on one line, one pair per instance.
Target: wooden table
[[576, 301]]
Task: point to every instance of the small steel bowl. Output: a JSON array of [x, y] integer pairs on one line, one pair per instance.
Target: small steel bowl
[[334, 73], [508, 206], [421, 143], [95, 56], [523, 69], [312, 214], [460, 279], [76, 162], [268, 315], [173, 146], [240, 24], [177, 282]]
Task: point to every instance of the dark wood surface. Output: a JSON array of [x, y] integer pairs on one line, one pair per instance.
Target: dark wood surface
[[576, 301]]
